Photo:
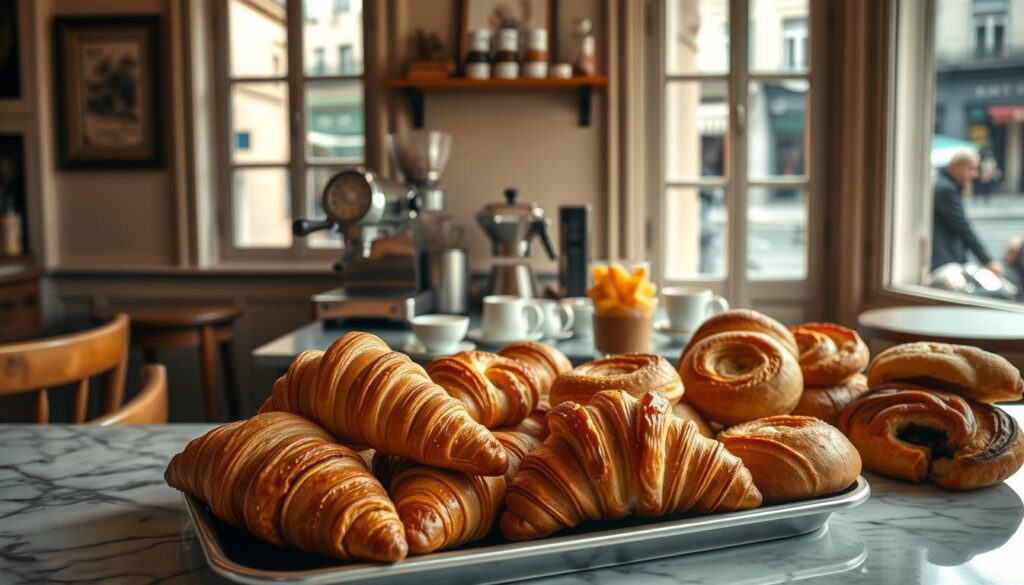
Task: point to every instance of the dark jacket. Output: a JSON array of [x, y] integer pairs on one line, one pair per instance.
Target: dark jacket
[[952, 232]]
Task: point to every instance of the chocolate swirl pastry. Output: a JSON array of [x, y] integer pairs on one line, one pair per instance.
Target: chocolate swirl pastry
[[916, 435]]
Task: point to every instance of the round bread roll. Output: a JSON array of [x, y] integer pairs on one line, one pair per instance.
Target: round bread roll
[[635, 373], [793, 457], [827, 402], [743, 320], [735, 377], [916, 434], [829, 353], [547, 362], [687, 412], [966, 371]]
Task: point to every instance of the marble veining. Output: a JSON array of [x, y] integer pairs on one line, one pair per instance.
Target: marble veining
[[89, 505]]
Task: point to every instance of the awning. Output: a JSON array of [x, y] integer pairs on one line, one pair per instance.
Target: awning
[[1006, 114]]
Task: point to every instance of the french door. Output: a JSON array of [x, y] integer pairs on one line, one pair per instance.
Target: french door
[[734, 113]]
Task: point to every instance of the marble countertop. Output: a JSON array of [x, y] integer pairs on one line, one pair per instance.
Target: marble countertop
[[87, 504]]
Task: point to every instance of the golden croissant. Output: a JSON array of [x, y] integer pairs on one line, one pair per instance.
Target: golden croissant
[[497, 391], [620, 456], [367, 395], [281, 477], [546, 362], [443, 509]]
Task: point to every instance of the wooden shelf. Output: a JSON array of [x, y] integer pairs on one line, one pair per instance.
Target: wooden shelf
[[415, 89]]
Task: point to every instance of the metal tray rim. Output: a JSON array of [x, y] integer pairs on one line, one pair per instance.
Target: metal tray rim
[[224, 566]]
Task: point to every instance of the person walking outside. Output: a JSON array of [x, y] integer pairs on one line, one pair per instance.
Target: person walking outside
[[952, 232]]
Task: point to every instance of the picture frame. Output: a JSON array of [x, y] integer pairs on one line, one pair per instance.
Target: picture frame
[[109, 93], [10, 51], [494, 14]]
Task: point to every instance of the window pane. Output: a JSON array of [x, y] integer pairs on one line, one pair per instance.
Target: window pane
[[695, 231], [333, 37], [316, 180], [258, 33], [776, 234], [259, 122], [334, 121], [777, 128], [262, 206], [779, 39], [696, 129], [696, 36]]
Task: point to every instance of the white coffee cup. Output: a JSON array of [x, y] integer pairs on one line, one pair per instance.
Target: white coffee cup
[[583, 310], [687, 307], [510, 318], [558, 318], [440, 333]]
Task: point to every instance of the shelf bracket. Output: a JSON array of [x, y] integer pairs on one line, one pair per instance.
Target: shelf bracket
[[415, 97], [586, 100]]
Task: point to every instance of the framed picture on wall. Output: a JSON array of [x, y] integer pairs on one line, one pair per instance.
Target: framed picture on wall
[[10, 56], [497, 14], [108, 92]]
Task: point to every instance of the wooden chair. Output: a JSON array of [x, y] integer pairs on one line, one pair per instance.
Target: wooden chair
[[148, 408]]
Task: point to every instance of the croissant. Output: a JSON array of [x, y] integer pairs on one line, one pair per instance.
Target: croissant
[[547, 362], [687, 412], [793, 457], [826, 402], [365, 394], [829, 353], [735, 320], [636, 373], [916, 434], [534, 425], [497, 391], [443, 509], [970, 372], [619, 456], [281, 477]]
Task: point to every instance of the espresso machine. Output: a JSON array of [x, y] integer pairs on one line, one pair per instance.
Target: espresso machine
[[383, 263], [511, 227]]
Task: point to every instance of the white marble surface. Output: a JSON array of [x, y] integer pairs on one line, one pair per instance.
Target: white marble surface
[[83, 504]]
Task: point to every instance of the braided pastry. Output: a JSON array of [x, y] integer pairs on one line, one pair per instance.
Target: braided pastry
[[793, 457], [826, 402], [735, 377], [829, 353], [972, 373], [547, 362], [280, 476], [916, 434], [497, 391], [443, 509], [636, 373], [619, 456], [365, 394]]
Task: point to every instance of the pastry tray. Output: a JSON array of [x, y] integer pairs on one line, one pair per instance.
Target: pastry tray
[[237, 555]]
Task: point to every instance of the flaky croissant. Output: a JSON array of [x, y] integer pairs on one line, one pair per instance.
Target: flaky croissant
[[534, 425], [620, 456], [443, 509], [281, 477], [547, 362], [367, 395], [497, 391]]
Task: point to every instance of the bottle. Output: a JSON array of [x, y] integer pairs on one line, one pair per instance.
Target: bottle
[[506, 60], [586, 48], [535, 63], [10, 230], [478, 58]]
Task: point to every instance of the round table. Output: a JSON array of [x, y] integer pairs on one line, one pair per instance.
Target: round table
[[987, 328]]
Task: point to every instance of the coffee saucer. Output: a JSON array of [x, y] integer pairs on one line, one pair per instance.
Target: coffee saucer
[[477, 335], [677, 335], [559, 336], [419, 352]]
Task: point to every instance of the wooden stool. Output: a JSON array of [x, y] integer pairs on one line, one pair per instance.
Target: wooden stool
[[205, 327]]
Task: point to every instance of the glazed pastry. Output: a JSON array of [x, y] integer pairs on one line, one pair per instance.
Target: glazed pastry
[[793, 457], [636, 373], [282, 477], [829, 353], [916, 434], [497, 391], [743, 320], [826, 402], [686, 412], [443, 509], [534, 425], [547, 362], [620, 456], [367, 395], [972, 373], [735, 377]]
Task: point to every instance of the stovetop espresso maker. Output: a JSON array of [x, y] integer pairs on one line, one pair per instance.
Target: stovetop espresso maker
[[511, 227]]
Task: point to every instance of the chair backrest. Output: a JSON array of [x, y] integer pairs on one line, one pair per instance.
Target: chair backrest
[[35, 366], [149, 407]]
